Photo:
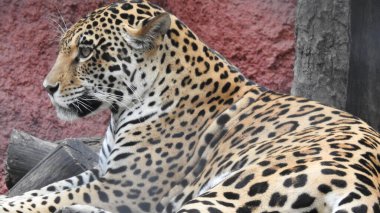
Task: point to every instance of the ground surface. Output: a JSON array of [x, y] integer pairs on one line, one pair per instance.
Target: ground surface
[[255, 35]]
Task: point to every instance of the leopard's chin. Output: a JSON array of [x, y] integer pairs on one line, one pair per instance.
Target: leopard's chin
[[66, 114]]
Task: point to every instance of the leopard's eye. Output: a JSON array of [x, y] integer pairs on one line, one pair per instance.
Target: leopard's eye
[[84, 52]]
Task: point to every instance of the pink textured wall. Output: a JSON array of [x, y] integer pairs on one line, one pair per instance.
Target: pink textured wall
[[255, 35]]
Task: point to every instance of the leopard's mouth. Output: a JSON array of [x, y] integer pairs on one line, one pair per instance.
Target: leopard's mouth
[[80, 107], [85, 105]]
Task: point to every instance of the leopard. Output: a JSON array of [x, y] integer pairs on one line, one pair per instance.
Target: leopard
[[189, 133]]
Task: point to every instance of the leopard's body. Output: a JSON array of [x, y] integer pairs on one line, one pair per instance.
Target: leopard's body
[[189, 133]]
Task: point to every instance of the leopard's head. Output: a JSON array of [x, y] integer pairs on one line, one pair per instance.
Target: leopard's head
[[105, 59]]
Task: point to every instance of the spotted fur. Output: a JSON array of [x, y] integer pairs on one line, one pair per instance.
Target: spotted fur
[[190, 133]]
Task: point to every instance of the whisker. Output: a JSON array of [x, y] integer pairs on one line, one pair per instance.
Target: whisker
[[121, 103], [138, 98], [81, 103], [58, 26], [101, 99], [76, 107], [63, 20]]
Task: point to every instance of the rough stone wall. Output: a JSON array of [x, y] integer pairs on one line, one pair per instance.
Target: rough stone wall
[[255, 35]]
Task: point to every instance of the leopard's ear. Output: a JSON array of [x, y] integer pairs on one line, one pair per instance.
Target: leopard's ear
[[146, 37]]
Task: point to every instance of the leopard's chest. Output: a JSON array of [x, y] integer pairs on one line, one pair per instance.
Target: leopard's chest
[[107, 146]]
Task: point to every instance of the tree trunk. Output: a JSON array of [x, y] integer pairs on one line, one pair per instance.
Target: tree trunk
[[363, 98], [337, 55], [323, 51]]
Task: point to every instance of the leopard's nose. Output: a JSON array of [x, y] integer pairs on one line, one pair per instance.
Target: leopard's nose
[[51, 89]]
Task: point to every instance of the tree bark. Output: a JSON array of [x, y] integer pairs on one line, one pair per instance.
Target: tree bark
[[322, 51], [363, 98]]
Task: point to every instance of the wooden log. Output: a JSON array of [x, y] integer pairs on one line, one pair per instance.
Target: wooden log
[[94, 143], [26, 151], [68, 159]]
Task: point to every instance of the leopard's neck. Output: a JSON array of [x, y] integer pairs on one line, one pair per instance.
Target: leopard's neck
[[169, 124]]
